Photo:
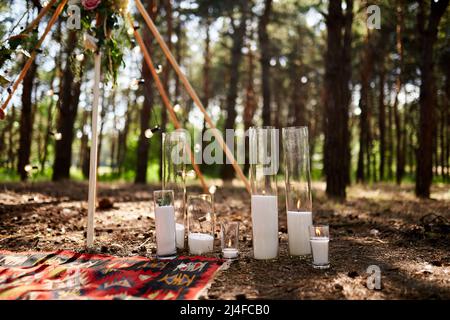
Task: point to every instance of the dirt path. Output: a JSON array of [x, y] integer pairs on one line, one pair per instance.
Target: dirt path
[[382, 225]]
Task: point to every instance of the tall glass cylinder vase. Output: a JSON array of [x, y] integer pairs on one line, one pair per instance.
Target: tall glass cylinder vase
[[298, 189], [174, 155], [264, 165]]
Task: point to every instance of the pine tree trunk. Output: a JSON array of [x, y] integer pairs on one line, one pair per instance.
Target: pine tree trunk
[[250, 105], [67, 107], [168, 9], [227, 172], [26, 122], [335, 102], [345, 83], [297, 109], [382, 120], [144, 143], [84, 153], [264, 44], [123, 136], [427, 100], [11, 145]]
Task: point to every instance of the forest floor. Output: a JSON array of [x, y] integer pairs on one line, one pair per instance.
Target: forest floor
[[382, 224]]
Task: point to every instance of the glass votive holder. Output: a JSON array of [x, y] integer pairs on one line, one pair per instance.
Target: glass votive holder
[[229, 231], [319, 239], [165, 224], [200, 224]]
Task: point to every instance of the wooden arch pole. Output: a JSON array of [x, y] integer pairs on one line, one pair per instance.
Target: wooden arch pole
[[191, 91], [93, 154], [33, 54], [42, 13], [165, 98]]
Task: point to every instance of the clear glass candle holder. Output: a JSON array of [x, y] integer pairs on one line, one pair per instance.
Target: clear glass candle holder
[[264, 165], [165, 224], [200, 224], [229, 234], [298, 189], [319, 239], [174, 158]]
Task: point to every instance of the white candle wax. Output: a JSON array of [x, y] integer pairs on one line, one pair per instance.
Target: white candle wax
[[265, 226], [319, 247], [230, 253], [200, 243], [298, 232], [179, 235], [165, 230]]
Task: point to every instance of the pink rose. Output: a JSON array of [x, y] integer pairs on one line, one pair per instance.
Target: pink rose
[[90, 4]]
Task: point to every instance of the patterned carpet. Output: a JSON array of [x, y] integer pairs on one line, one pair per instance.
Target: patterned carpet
[[70, 275]]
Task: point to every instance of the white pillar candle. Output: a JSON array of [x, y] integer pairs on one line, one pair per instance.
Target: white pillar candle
[[200, 243], [230, 253], [298, 223], [165, 230], [265, 226], [180, 235], [319, 247]]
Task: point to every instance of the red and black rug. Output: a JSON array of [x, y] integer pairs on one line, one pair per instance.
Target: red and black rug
[[71, 275]]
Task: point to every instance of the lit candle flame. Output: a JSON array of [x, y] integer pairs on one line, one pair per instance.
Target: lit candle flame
[[298, 204], [229, 243], [318, 233]]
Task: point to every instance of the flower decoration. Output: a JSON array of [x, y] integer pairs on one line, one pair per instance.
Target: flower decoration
[[90, 4], [104, 30]]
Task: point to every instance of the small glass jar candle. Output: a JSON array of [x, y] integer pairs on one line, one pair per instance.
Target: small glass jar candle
[[200, 224], [229, 232], [165, 224], [320, 238]]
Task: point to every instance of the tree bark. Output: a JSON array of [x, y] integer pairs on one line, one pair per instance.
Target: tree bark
[[382, 119], [364, 105], [250, 104], [232, 93], [123, 135], [264, 44], [335, 101], [297, 110], [168, 9], [84, 148], [26, 122], [345, 83], [67, 107], [144, 143], [10, 130], [427, 100]]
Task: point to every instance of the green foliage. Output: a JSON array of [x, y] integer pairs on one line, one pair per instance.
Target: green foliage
[[107, 25]]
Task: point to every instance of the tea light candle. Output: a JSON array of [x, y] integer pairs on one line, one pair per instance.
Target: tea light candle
[[298, 232], [200, 243], [179, 228], [230, 253], [265, 226], [165, 230]]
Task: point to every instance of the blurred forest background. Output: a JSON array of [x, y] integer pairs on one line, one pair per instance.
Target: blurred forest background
[[376, 101]]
